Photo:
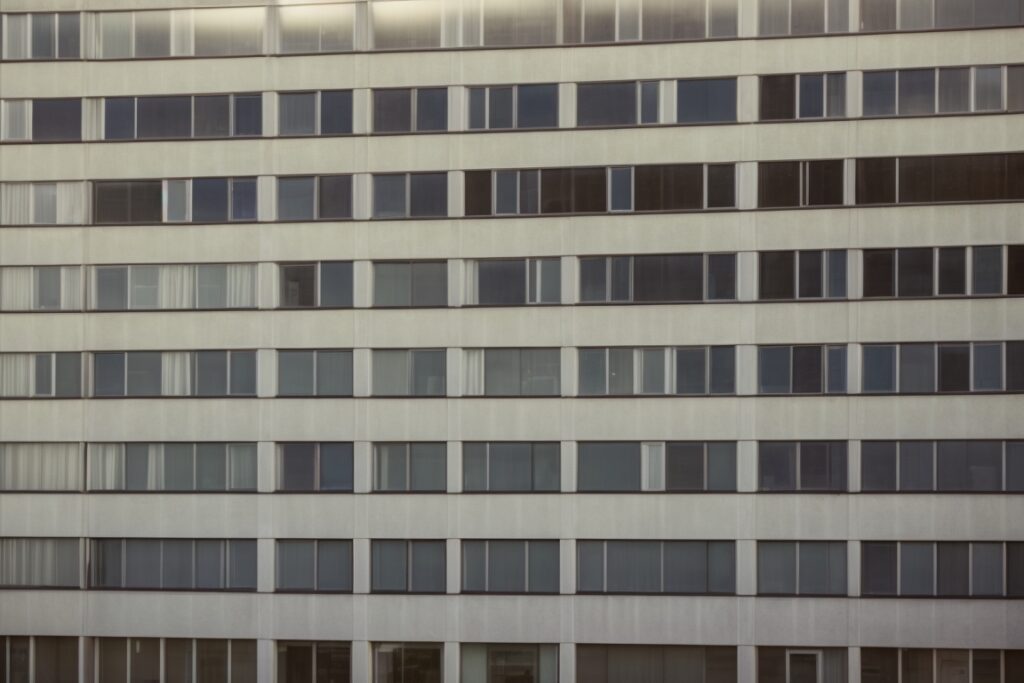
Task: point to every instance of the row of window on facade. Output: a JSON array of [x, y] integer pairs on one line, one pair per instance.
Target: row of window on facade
[[944, 569], [912, 272], [179, 660], [420, 24], [532, 192], [905, 368], [911, 92], [912, 466]]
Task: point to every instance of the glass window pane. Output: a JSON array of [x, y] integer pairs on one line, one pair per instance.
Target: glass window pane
[[609, 466], [878, 568], [295, 565], [774, 369], [916, 90], [295, 373], [879, 368], [954, 367], [878, 465], [988, 88], [879, 93], [917, 466], [296, 198], [506, 567], [248, 115], [428, 567], [606, 104], [684, 466], [777, 466], [296, 113], [987, 571], [706, 100], [298, 467], [954, 90], [392, 111], [427, 467], [334, 568], [917, 368], [778, 98], [431, 109], [334, 373], [776, 568], [537, 106], [917, 562], [209, 200], [634, 567], [213, 116]]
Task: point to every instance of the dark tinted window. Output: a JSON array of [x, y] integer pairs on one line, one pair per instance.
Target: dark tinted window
[[606, 104], [57, 119], [778, 97], [537, 106], [675, 187], [139, 201], [164, 117], [706, 100]]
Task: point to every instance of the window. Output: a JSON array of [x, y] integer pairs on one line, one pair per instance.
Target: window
[[173, 287], [413, 467], [880, 15], [513, 372], [945, 569], [802, 665], [670, 567], [39, 563], [706, 100], [410, 110], [314, 373], [490, 663], [327, 284], [409, 372], [802, 466], [802, 369], [313, 661], [674, 466], [199, 116], [883, 665], [923, 92], [314, 467], [40, 375], [625, 103], [52, 658], [173, 564], [199, 200], [657, 278], [57, 120], [687, 370], [234, 31], [802, 17], [319, 566], [803, 96], [801, 567], [513, 106], [139, 201], [307, 198], [410, 283], [509, 566], [515, 282], [945, 466], [660, 663], [940, 368], [48, 466], [925, 271], [407, 566], [230, 661], [802, 274], [791, 184], [939, 179], [410, 195], [198, 467], [321, 112], [403, 662], [155, 373], [42, 36], [511, 466]]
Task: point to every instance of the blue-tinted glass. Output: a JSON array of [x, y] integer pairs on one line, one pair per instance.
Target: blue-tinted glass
[[108, 371], [774, 370], [209, 200], [477, 108], [500, 114], [622, 189], [164, 117], [706, 100], [812, 96], [879, 93], [243, 199], [335, 112], [837, 274], [248, 115], [335, 467], [649, 102], [119, 118], [879, 368], [432, 109], [836, 370], [537, 106]]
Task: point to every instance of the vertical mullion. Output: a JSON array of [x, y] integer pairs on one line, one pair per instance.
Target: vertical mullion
[[526, 566], [316, 466], [316, 570]]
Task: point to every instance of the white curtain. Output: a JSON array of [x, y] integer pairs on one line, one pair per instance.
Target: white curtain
[[71, 288], [242, 463], [71, 202], [15, 374], [39, 562], [176, 288], [16, 289], [16, 37], [44, 203], [834, 665], [472, 274], [653, 465], [175, 374], [155, 467], [106, 466], [115, 34], [15, 118], [40, 467], [176, 200], [474, 372], [241, 278], [181, 32], [15, 203]]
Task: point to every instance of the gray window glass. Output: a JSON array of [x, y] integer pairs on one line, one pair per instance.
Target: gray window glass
[[593, 371], [56, 120], [334, 373], [68, 380], [836, 370], [691, 371], [428, 567], [179, 465], [242, 564], [721, 466], [427, 467], [537, 106], [823, 568], [392, 111], [1015, 466], [334, 566], [590, 566], [954, 90], [296, 198], [297, 467], [723, 369], [43, 374], [212, 286], [916, 92], [707, 100], [722, 567], [164, 117], [506, 567], [812, 96], [686, 567], [543, 565], [474, 566], [609, 466], [391, 466], [142, 372], [209, 564], [336, 467], [606, 104], [428, 372], [243, 373], [211, 467], [684, 466], [988, 88], [917, 561], [112, 288], [295, 373], [879, 467], [879, 93], [988, 367], [916, 368], [431, 109], [141, 563], [209, 200], [389, 196], [777, 465], [878, 568], [47, 281], [634, 567], [428, 194], [211, 373], [296, 565], [297, 113], [917, 465], [335, 112], [108, 374], [501, 113], [391, 372], [212, 116], [621, 198], [987, 270], [335, 284], [879, 369], [510, 466], [835, 94], [776, 568], [774, 369], [986, 569], [953, 569], [649, 101]]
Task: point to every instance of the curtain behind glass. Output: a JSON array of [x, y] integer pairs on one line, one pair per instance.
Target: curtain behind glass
[[176, 287], [175, 376], [70, 203], [16, 289], [15, 204], [40, 467], [242, 463], [39, 562], [70, 288], [106, 466], [15, 374], [241, 279]]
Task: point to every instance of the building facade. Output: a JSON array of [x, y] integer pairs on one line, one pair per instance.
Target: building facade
[[481, 341]]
